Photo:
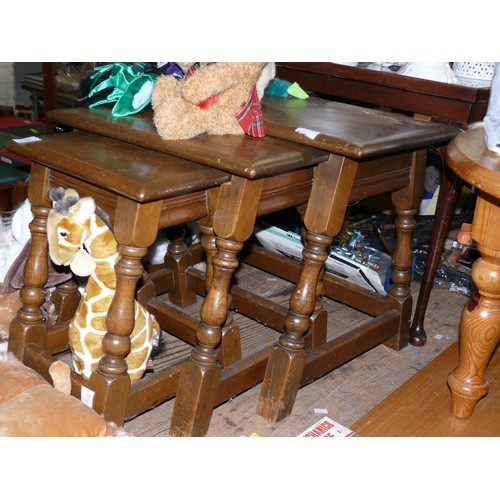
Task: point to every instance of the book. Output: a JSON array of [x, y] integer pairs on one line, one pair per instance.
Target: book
[[326, 427]]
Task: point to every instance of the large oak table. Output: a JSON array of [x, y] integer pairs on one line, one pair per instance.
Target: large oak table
[[457, 104], [348, 153]]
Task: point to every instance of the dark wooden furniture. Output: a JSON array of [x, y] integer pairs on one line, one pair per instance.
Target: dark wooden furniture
[[12, 194], [62, 97], [364, 154], [469, 158], [143, 190], [132, 185], [360, 141], [459, 105]]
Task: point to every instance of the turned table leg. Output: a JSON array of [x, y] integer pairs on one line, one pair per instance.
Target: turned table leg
[[29, 325], [323, 219], [233, 222], [230, 347], [287, 359], [110, 381], [480, 321], [447, 200], [178, 259], [406, 202]]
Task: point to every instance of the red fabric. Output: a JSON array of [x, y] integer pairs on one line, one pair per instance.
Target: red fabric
[[208, 102], [250, 117]]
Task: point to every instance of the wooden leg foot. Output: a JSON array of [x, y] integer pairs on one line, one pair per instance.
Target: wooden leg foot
[[110, 395], [195, 399], [230, 349], [281, 383], [464, 398], [418, 337], [318, 329]]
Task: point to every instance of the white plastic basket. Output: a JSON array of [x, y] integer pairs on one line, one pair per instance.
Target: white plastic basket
[[474, 70]]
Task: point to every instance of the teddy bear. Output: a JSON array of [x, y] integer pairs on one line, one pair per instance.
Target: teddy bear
[[212, 98]]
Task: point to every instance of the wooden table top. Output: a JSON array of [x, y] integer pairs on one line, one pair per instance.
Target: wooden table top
[[349, 130], [344, 129], [136, 173], [236, 154], [473, 162]]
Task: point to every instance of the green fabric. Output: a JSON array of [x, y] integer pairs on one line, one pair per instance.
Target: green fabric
[[131, 87]]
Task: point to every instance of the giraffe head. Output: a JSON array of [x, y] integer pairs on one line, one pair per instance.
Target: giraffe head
[[67, 224]]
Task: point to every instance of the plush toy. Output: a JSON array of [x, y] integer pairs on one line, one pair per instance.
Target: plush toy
[[79, 236], [14, 234], [212, 98], [9, 304], [127, 85], [31, 407]]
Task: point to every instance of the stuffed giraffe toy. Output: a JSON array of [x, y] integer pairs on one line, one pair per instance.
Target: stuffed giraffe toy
[[78, 235]]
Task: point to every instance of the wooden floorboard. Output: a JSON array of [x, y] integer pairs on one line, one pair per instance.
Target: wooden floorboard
[[421, 406]]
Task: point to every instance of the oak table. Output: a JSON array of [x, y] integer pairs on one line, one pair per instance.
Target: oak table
[[366, 153], [469, 158], [141, 191], [457, 104], [360, 140], [144, 190]]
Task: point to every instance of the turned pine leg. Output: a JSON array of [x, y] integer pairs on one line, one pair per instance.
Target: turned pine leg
[[480, 321], [323, 219]]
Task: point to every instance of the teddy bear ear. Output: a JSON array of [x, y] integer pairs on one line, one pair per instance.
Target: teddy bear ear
[[83, 210]]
